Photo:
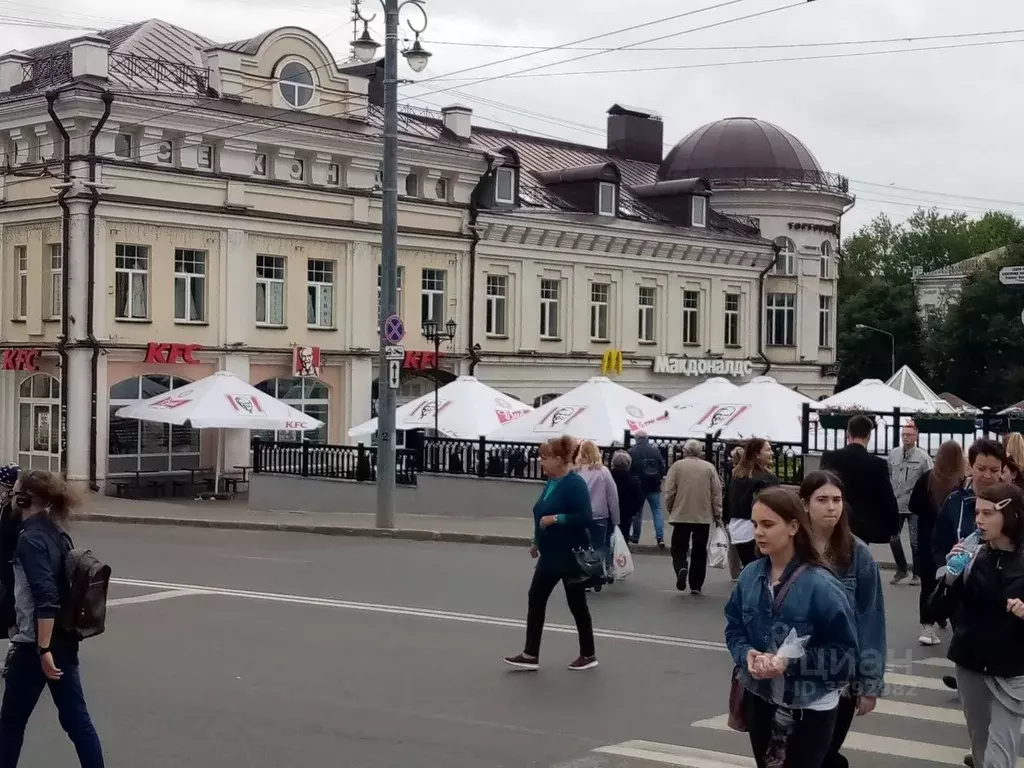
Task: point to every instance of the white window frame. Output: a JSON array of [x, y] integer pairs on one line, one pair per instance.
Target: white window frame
[[183, 259], [163, 461], [691, 318], [825, 261], [699, 211], [780, 307], [320, 293], [600, 311], [21, 261], [432, 296], [825, 322], [732, 320], [646, 301], [132, 274], [550, 308], [44, 457], [509, 173], [271, 273], [497, 306], [607, 199], [56, 279], [298, 89], [380, 292], [786, 265]]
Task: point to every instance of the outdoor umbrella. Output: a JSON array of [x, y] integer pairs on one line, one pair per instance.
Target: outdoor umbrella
[[221, 401]]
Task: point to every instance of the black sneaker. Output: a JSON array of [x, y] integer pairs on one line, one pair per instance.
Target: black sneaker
[[583, 663], [522, 661], [950, 682], [681, 579]]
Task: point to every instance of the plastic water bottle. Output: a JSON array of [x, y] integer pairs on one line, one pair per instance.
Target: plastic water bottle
[[957, 564]]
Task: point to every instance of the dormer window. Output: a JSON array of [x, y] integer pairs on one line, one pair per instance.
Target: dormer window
[[505, 186], [607, 199], [296, 84], [700, 211]]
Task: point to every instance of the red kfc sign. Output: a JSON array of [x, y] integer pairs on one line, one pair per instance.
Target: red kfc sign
[[21, 359], [164, 354], [422, 361]]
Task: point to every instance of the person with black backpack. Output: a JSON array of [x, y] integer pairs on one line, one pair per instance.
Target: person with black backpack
[[649, 467], [60, 598]]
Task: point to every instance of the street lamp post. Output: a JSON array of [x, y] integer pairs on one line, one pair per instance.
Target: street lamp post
[[433, 332], [892, 341], [365, 48]]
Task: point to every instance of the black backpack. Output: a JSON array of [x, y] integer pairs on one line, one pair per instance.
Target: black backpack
[[83, 606]]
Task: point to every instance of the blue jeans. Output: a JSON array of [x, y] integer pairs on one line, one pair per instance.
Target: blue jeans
[[601, 541], [24, 685], [654, 499]]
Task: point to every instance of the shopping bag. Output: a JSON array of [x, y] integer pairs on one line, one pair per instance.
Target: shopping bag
[[718, 547], [622, 560]]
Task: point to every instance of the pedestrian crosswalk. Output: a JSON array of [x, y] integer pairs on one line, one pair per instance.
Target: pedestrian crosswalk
[[918, 723]]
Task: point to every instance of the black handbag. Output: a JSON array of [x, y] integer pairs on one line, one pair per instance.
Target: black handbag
[[589, 565]]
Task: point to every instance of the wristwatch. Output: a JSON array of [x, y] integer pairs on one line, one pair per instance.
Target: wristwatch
[[44, 651]]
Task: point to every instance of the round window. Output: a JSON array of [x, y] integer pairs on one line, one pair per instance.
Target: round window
[[296, 84]]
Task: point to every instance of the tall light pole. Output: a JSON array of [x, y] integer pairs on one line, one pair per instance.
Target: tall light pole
[[435, 333], [892, 341], [365, 48]]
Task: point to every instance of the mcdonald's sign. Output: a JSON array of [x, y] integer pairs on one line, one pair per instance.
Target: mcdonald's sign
[[611, 362]]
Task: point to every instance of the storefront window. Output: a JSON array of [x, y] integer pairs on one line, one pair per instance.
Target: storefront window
[[39, 423], [308, 395], [143, 446]]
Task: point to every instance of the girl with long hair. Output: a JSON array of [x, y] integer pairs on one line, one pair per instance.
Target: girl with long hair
[[751, 475], [44, 655], [851, 561], [604, 502], [790, 707], [931, 491]]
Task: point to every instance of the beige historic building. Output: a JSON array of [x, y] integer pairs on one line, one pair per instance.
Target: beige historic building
[[217, 206]]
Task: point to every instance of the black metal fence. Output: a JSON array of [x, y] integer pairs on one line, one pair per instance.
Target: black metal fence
[[340, 462]]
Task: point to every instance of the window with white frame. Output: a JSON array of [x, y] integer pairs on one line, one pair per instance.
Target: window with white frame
[[432, 296], [148, 446], [786, 263], [645, 313], [320, 293], [296, 84], [269, 290], [189, 285], [131, 282], [39, 423], [398, 295], [780, 320], [306, 394], [600, 310], [824, 321], [691, 317], [549, 308], [699, 211], [606, 199], [505, 186], [825, 263], [56, 279], [732, 320], [123, 146], [21, 259], [497, 305]]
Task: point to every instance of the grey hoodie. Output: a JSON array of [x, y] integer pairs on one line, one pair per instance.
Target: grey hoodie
[[906, 467]]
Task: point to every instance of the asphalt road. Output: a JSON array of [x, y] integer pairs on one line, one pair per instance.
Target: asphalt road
[[228, 649]]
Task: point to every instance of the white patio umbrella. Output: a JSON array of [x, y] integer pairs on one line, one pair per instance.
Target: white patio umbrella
[[221, 401], [599, 410], [874, 395], [466, 408], [716, 388]]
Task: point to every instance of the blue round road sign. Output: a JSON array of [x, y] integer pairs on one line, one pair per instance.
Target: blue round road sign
[[394, 329]]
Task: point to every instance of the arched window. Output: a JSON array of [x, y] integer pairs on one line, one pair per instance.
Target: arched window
[[786, 265], [542, 399], [308, 395], [825, 265], [296, 83], [146, 446], [39, 423]]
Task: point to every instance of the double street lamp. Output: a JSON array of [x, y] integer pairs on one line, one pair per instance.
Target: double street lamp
[[364, 48], [892, 342], [435, 333]]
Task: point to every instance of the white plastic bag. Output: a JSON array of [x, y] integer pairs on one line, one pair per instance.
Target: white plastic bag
[[718, 547], [793, 647], [622, 560]]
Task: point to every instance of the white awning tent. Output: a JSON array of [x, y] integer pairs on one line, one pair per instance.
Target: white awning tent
[[909, 383], [466, 409], [599, 410], [711, 391], [874, 395]]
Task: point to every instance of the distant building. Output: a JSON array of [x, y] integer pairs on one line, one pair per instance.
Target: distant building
[[937, 289]]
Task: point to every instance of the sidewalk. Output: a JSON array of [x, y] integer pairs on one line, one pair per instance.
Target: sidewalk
[[234, 515]]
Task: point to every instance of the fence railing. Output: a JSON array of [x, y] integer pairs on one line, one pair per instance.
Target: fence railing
[[340, 462]]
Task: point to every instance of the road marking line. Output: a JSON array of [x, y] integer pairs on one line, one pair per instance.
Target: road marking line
[[953, 715], [879, 745], [426, 613], [939, 661], [154, 597], [916, 681], [671, 754]]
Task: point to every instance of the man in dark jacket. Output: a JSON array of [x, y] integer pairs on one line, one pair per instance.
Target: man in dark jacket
[[874, 512], [10, 525], [649, 468]]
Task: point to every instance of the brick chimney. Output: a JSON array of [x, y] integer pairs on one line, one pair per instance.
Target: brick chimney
[[635, 133], [458, 121]]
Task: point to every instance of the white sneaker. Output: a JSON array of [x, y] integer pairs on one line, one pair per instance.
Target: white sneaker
[[929, 636]]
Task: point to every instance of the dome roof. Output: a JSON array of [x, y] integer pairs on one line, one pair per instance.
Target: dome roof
[[741, 148]]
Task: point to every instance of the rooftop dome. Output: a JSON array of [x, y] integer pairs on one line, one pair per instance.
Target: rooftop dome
[[742, 148]]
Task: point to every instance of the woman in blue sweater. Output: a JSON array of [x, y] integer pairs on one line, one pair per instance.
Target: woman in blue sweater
[[561, 519], [851, 561]]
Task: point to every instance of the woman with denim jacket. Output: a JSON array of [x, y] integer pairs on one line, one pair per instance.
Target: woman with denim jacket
[[790, 707], [857, 571]]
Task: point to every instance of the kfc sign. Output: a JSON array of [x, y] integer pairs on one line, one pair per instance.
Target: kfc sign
[[21, 359], [422, 361], [164, 354], [306, 361]]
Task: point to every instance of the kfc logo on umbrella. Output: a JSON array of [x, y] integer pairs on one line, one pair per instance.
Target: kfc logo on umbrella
[[425, 412], [557, 418], [173, 401], [721, 416], [249, 404]]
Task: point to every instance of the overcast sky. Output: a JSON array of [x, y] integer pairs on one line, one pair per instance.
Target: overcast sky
[[936, 127]]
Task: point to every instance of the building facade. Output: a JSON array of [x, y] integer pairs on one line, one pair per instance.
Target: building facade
[[173, 206], [937, 289]]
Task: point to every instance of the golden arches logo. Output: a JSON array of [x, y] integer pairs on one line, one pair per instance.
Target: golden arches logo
[[611, 362]]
